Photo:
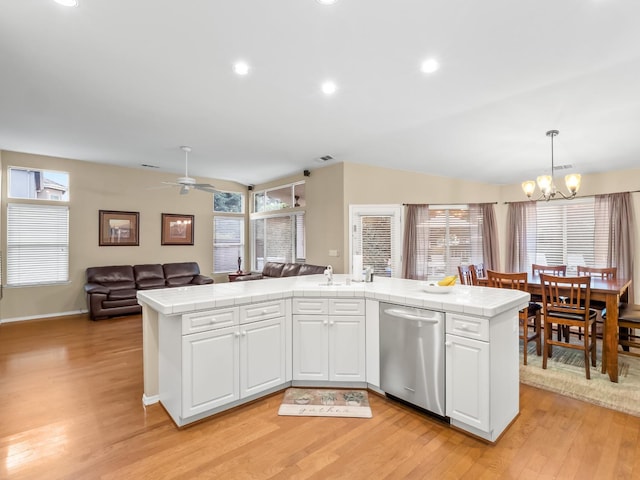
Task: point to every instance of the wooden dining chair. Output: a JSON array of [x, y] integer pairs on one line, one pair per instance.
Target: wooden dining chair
[[628, 323], [467, 274], [565, 302], [550, 269], [529, 317], [606, 273]]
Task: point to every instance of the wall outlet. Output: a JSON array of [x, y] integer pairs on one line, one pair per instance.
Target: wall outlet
[[333, 253]]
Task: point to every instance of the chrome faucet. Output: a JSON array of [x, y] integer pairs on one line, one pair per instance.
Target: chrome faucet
[[328, 273]]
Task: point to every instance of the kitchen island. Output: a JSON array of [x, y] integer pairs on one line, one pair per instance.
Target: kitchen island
[[212, 347]]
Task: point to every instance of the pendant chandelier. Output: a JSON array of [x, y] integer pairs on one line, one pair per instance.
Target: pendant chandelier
[[545, 182]]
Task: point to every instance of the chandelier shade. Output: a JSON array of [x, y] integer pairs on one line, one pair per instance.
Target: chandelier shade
[[545, 183]]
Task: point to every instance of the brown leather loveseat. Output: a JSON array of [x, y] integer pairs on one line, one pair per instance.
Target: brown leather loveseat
[[278, 269], [111, 291]]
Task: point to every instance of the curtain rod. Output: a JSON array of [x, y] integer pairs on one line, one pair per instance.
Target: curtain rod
[[581, 196], [450, 203]]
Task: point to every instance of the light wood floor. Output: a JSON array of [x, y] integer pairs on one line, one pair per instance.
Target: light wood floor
[[70, 407]]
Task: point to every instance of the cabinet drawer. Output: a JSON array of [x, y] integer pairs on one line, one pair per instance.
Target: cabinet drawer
[[262, 311], [310, 306], [469, 327], [346, 306], [209, 320]]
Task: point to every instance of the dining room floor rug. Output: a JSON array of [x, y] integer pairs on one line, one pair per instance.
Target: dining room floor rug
[[565, 374], [322, 402]]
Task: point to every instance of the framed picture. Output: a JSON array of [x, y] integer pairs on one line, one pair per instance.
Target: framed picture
[[177, 229], [118, 228]]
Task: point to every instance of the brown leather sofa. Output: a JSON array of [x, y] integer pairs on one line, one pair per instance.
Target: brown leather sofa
[[111, 291], [278, 270]]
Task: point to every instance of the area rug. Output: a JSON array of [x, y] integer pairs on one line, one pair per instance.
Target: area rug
[[565, 374], [309, 402]]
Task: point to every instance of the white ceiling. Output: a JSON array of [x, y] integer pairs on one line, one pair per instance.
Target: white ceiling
[[128, 82]]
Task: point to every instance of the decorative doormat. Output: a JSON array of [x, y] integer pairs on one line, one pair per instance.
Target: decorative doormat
[[310, 402]]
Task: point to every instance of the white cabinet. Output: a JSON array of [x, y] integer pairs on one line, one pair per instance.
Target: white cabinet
[[235, 355], [210, 370], [262, 356], [467, 391], [482, 374], [329, 340]]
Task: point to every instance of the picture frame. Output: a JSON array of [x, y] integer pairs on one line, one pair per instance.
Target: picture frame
[[177, 229], [118, 229]]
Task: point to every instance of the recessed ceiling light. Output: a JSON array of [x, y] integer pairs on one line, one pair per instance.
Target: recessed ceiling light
[[327, 2], [241, 68], [430, 65], [329, 88], [68, 3]]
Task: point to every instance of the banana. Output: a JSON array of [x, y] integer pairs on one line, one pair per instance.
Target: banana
[[448, 281]]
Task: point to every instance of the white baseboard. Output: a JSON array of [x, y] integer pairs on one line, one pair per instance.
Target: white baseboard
[[42, 317], [150, 400]]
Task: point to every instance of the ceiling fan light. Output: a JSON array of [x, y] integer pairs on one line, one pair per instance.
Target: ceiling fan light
[[528, 187], [573, 182]]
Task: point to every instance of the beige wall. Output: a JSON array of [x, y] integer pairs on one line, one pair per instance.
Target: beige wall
[[323, 213], [96, 187], [329, 192]]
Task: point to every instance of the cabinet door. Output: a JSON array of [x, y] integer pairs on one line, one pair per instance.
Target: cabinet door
[[467, 384], [210, 370], [347, 355], [310, 347], [262, 356]]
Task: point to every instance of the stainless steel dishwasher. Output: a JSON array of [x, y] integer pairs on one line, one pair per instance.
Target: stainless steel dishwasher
[[412, 356]]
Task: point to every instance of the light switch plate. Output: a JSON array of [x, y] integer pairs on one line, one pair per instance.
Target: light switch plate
[[333, 253]]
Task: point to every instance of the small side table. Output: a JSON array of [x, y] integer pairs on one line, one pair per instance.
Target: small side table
[[233, 276]]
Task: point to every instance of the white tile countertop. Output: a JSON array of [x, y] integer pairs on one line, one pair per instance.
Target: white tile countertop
[[482, 301]]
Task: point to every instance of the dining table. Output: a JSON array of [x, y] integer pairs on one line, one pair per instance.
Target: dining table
[[610, 291]]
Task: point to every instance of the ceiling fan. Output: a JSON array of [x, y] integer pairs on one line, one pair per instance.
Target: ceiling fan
[[187, 183]]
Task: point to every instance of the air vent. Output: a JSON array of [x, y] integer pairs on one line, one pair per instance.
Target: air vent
[[148, 166], [324, 158], [562, 167]]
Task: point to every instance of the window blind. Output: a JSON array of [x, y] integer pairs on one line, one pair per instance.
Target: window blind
[[228, 243], [454, 238], [565, 234], [37, 244]]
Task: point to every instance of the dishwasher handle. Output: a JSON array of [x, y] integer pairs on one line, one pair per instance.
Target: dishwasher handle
[[394, 312]]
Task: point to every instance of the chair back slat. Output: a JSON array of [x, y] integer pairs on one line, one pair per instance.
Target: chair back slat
[[607, 273], [550, 269], [514, 281], [467, 274]]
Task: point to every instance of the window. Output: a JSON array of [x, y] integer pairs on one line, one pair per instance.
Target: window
[[375, 238], [454, 238], [228, 202], [279, 198], [278, 238], [38, 184], [228, 243], [564, 233], [37, 244]]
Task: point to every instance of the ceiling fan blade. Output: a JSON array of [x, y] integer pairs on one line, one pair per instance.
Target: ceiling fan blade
[[204, 187], [171, 183]]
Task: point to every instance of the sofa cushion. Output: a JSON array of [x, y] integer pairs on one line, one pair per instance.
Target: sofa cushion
[[122, 294], [290, 269], [149, 276], [114, 286], [102, 275], [306, 269], [185, 273], [272, 269]]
